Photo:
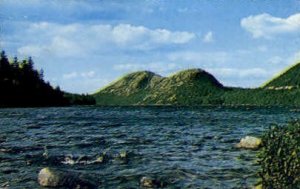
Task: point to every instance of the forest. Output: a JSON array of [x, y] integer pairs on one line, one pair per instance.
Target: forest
[[23, 86]]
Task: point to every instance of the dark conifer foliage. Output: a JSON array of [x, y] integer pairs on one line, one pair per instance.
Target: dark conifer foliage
[[22, 86]]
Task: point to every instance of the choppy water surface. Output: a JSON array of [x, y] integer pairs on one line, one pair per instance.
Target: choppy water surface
[[182, 147]]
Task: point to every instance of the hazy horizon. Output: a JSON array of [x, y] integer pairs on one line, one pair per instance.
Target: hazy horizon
[[84, 45]]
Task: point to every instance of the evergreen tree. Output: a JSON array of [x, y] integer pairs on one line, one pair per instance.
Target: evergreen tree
[[15, 63], [4, 63], [30, 63], [41, 74], [22, 85], [4, 66]]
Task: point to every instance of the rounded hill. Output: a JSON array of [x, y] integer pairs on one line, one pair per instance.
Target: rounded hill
[[132, 83], [288, 79], [196, 75]]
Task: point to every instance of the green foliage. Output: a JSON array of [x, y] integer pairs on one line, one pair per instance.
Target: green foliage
[[280, 157], [196, 87], [190, 87], [288, 78], [21, 86], [129, 90], [77, 99], [261, 97]]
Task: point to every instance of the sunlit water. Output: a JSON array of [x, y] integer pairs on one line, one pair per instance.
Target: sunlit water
[[182, 147]]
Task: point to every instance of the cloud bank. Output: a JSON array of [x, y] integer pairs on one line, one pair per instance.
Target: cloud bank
[[267, 26], [75, 39], [208, 38]]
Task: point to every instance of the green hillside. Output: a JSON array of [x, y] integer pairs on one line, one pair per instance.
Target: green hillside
[[288, 79], [189, 87], [196, 87], [261, 97], [129, 89], [146, 88]]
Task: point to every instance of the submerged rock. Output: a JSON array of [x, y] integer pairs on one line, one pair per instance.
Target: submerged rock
[[123, 154], [57, 178], [149, 182], [84, 160], [69, 161], [249, 142], [5, 185]]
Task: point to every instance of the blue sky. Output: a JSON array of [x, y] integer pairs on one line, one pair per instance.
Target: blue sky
[[82, 45]]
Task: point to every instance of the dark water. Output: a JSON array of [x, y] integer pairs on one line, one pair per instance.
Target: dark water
[[181, 147]]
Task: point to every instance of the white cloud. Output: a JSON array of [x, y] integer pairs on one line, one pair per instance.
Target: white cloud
[[239, 73], [282, 61], [32, 50], [70, 75], [74, 75], [275, 60], [159, 67], [267, 26], [125, 33], [208, 38], [262, 48], [199, 57], [76, 39], [59, 46], [89, 74], [85, 85], [295, 58]]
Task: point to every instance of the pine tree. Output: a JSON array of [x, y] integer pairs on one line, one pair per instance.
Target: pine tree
[[4, 65], [15, 63], [41, 74]]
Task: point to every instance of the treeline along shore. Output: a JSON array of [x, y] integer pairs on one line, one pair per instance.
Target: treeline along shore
[[21, 85]]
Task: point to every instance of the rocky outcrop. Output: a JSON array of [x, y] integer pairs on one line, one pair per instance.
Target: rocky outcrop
[[249, 142], [49, 177]]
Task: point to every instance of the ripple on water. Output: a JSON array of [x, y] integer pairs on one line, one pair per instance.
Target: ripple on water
[[177, 147]]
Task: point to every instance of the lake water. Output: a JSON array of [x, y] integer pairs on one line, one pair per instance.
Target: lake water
[[181, 147]]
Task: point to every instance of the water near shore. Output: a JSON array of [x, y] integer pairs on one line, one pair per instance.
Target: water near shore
[[116, 147]]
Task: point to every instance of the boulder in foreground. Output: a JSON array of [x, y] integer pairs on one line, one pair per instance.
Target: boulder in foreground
[[57, 178], [249, 142]]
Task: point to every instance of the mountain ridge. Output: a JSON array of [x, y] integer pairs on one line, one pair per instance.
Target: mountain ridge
[[146, 87], [194, 87]]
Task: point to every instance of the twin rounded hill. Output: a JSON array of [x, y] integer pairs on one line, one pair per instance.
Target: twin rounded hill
[[195, 87]]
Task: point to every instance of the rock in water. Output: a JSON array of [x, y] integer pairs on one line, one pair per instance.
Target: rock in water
[[57, 178], [249, 142], [147, 182]]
